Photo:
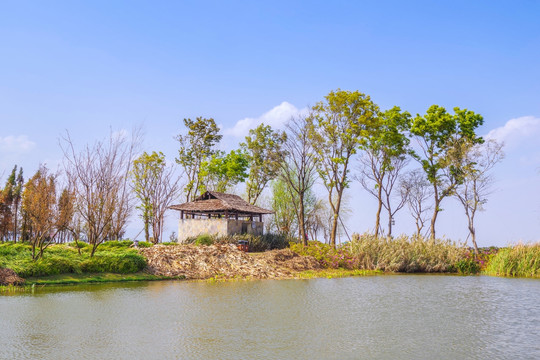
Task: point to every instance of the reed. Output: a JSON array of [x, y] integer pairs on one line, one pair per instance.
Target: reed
[[406, 254], [521, 260]]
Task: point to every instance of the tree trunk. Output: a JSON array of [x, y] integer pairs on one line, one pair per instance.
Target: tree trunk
[[378, 216], [435, 211], [301, 221], [333, 234], [15, 221], [146, 228], [389, 223]]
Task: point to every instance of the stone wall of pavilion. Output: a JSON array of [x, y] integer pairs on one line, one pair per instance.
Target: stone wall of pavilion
[[194, 227]]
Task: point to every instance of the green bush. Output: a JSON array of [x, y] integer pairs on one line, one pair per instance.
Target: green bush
[[467, 267], [115, 244], [80, 244], [10, 250], [50, 265], [124, 263], [204, 239], [145, 244], [64, 259]]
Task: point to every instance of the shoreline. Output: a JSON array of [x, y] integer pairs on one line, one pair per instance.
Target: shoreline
[[101, 278]]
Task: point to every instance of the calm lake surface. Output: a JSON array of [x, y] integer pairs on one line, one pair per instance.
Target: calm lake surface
[[379, 317]]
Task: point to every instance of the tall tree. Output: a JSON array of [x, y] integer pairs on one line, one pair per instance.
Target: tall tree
[[338, 128], [99, 175], [263, 146], [195, 147], [156, 186], [222, 171], [473, 191], [298, 168], [437, 133], [384, 157], [17, 198], [39, 202], [6, 208]]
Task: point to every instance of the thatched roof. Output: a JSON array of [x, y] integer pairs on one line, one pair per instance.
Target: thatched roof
[[212, 201]]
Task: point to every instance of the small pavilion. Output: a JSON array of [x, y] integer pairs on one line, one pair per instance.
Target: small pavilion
[[220, 214]]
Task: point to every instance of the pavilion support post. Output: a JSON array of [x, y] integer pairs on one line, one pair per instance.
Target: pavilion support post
[[182, 214], [260, 217], [236, 216]]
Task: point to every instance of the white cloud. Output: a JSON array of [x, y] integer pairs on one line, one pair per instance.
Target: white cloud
[[516, 129], [16, 144], [277, 117]]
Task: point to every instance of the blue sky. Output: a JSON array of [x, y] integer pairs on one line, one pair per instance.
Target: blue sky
[[92, 66]]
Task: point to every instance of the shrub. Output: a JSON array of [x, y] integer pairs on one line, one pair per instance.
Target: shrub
[[204, 239], [79, 244], [50, 265], [123, 263], [467, 267], [145, 244], [115, 244]]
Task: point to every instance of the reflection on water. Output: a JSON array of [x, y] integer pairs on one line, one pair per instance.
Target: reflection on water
[[381, 317]]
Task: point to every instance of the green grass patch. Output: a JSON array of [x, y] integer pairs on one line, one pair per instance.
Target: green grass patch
[[336, 273], [110, 257], [64, 279]]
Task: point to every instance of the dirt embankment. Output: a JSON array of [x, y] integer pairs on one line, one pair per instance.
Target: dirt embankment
[[9, 277], [204, 262]]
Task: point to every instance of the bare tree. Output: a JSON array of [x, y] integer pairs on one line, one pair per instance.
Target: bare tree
[[477, 183], [298, 169], [419, 191], [380, 181], [98, 175]]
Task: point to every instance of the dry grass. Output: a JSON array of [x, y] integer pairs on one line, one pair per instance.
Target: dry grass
[[224, 261], [405, 254]]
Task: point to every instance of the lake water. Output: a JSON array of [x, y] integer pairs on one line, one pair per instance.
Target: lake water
[[379, 317]]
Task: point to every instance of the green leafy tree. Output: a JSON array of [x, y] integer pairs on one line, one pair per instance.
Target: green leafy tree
[[283, 220], [223, 171], [196, 147], [264, 149], [156, 187], [386, 148], [439, 135], [338, 128]]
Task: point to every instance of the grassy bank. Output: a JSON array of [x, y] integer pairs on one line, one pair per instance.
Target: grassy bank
[[519, 260], [111, 257]]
